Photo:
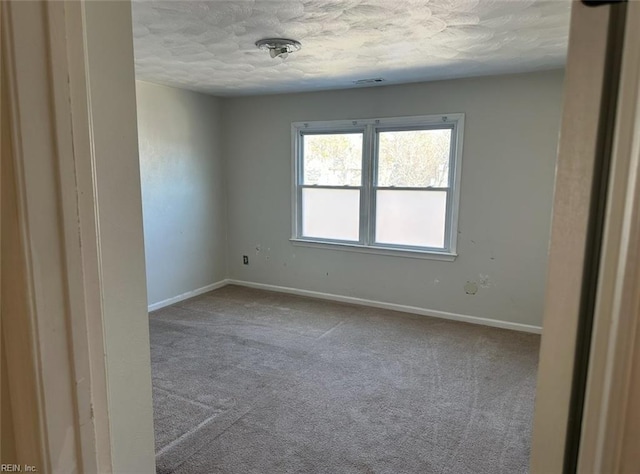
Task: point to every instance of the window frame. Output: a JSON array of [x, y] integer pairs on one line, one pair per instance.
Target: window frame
[[371, 128]]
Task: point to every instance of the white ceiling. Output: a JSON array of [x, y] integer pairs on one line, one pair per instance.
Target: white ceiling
[[208, 46]]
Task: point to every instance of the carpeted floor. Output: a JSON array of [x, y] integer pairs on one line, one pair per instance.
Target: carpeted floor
[[248, 381]]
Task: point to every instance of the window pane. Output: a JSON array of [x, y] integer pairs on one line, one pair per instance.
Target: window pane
[[333, 160], [416, 158], [411, 217], [331, 213]]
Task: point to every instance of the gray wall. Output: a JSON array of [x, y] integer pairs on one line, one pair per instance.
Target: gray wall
[[511, 131], [183, 190]]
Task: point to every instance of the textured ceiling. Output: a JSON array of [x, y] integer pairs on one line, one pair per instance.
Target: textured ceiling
[[209, 46]]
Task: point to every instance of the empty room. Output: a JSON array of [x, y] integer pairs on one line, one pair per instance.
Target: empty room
[[359, 236], [347, 209]]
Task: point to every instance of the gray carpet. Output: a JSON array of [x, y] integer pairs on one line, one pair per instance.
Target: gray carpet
[[249, 381]]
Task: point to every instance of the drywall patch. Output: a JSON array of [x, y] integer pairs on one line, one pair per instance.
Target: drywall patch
[[471, 288], [484, 281]]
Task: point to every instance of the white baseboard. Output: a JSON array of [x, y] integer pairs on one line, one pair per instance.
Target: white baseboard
[[392, 306], [187, 295]]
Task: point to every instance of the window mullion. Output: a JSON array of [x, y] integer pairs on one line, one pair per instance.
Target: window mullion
[[298, 174], [373, 166], [367, 184]]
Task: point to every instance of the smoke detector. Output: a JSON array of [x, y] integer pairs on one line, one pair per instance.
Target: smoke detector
[[278, 47]]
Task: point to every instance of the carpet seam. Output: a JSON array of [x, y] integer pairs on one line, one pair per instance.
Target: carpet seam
[[330, 330], [188, 434], [201, 311], [202, 425], [185, 399]]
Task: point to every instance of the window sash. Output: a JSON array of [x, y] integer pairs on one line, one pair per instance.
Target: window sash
[[375, 160], [375, 157], [302, 187], [328, 131], [411, 188], [374, 214], [370, 130]]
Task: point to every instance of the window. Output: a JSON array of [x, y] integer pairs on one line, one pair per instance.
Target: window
[[383, 185]]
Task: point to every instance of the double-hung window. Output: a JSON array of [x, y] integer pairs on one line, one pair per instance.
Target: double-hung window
[[379, 185]]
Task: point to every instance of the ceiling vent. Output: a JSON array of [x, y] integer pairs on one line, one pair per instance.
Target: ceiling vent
[[375, 80]]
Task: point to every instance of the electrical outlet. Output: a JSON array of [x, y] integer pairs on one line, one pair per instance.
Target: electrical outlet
[[245, 259]]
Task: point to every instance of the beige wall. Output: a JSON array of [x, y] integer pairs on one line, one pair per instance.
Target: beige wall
[[18, 391], [7, 448], [7, 440], [183, 194], [511, 132], [7, 445]]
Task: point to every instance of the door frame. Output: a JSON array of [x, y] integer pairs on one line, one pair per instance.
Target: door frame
[[592, 283], [609, 437], [79, 366]]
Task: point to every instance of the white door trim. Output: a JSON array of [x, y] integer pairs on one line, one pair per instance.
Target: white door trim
[[42, 314], [570, 240], [77, 166], [607, 444]]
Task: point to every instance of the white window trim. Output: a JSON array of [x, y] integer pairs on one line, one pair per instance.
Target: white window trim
[[367, 223]]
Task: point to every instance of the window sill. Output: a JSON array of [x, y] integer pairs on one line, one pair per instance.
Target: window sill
[[406, 253]]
